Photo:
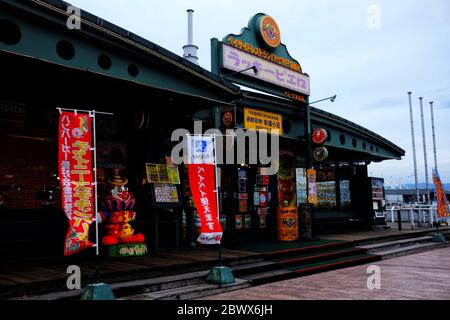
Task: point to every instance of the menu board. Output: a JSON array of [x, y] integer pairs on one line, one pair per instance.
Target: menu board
[[165, 193], [326, 193], [345, 192], [162, 173], [301, 185]]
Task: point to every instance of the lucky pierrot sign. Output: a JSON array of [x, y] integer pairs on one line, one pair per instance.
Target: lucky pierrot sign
[[202, 180], [259, 45], [76, 178]]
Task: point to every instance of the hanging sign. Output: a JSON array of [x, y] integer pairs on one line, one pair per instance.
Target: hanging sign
[[320, 154], [442, 207], [76, 178], [201, 170], [261, 120], [319, 135]]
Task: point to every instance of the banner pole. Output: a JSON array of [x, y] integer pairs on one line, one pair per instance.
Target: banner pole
[[97, 245], [217, 195]]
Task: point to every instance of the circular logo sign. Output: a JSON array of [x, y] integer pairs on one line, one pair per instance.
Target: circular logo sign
[[227, 118], [320, 154], [319, 135], [270, 32]]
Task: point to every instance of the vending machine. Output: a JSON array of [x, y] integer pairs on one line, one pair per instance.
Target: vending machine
[[378, 200]]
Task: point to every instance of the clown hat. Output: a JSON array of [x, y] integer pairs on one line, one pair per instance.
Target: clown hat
[[116, 179]]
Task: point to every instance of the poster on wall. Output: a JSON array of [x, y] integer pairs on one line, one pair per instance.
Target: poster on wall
[[286, 180], [326, 193], [162, 173], [238, 219], [345, 193], [377, 189], [76, 178], [312, 192], [301, 185]]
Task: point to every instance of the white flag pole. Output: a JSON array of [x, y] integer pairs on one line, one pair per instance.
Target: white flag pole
[[217, 194]]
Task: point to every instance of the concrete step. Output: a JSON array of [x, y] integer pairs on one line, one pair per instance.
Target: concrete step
[[405, 250], [375, 247], [269, 276], [133, 287], [191, 292], [250, 268]]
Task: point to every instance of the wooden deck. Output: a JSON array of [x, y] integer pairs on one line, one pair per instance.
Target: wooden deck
[[423, 276], [20, 279]]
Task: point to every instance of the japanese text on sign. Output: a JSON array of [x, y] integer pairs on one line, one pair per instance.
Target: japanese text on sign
[[238, 60]]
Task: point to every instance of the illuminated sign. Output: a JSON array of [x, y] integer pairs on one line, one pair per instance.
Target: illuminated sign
[[238, 60], [257, 120]]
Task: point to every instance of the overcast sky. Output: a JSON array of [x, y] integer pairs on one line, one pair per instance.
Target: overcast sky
[[339, 44]]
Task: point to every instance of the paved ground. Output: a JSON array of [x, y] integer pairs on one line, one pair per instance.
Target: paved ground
[[423, 276], [359, 235]]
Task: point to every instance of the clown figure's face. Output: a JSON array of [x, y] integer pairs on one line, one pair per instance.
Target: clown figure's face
[[120, 193]]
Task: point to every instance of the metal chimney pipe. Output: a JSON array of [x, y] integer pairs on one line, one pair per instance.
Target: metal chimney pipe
[[434, 135], [190, 13], [413, 146], [190, 50], [424, 149]]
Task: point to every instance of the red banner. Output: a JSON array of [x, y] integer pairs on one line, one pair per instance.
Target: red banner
[[76, 179], [201, 179], [442, 207]]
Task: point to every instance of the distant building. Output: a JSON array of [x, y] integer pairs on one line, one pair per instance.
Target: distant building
[[401, 196]]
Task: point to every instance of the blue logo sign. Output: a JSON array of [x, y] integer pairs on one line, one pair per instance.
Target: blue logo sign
[[200, 146]]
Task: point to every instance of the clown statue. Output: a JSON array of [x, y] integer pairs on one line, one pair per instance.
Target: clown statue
[[118, 206]]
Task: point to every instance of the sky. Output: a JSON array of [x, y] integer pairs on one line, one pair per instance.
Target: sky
[[369, 53]]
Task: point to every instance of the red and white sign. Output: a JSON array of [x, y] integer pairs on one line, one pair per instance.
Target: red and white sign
[[76, 178], [201, 170], [319, 135]]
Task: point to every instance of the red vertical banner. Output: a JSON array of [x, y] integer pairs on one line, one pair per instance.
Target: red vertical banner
[[201, 170], [442, 205], [76, 178]]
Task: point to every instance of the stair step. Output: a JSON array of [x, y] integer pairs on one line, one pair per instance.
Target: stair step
[[307, 250], [336, 264], [403, 242], [269, 276], [245, 269], [191, 292], [409, 249], [322, 256]]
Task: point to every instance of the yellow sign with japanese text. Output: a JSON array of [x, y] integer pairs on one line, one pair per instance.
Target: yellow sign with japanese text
[[262, 120]]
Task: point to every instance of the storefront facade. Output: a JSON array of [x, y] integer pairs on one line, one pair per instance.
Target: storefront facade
[[152, 92]]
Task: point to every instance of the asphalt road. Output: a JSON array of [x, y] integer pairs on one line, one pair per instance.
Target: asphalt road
[[422, 276]]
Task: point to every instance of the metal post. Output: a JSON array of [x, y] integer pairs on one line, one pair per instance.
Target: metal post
[[413, 146], [424, 150], [434, 136], [399, 219]]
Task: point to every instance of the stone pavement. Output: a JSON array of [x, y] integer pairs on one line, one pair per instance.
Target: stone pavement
[[362, 235], [422, 276]]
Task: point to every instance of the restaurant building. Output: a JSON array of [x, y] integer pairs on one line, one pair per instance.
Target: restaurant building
[[151, 92]]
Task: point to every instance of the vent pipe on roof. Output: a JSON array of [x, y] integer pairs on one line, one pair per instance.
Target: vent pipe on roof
[[190, 50]]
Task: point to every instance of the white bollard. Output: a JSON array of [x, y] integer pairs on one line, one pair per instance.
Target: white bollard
[[412, 218]]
